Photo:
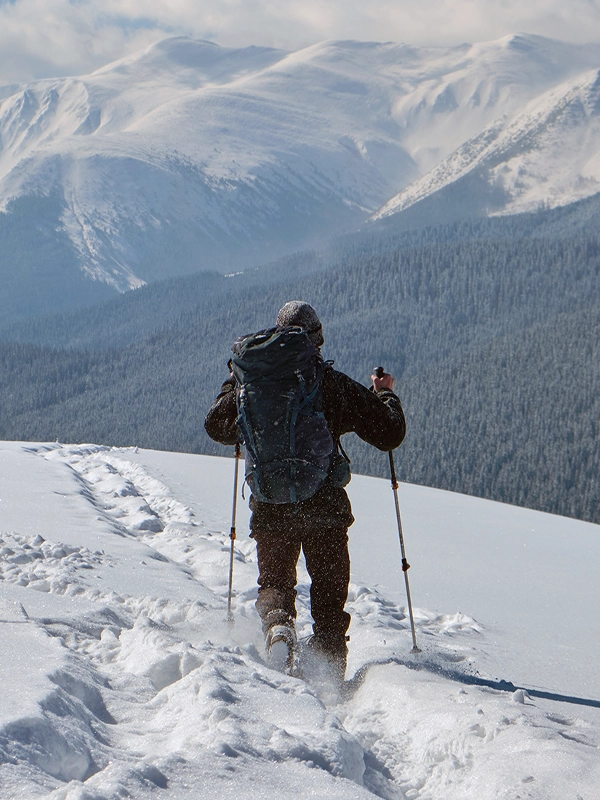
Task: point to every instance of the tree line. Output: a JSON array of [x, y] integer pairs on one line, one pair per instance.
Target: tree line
[[490, 329]]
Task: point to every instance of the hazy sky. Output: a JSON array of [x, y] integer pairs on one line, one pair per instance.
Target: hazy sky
[[41, 38]]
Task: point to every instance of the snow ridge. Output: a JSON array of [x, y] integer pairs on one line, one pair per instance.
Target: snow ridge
[[548, 156]]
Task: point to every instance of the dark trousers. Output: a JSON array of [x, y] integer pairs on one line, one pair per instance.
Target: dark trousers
[[328, 564]]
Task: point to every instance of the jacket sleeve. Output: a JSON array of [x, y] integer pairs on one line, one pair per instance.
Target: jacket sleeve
[[221, 420], [377, 417]]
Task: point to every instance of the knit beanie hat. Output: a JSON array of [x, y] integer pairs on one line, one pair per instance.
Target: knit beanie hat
[[302, 314]]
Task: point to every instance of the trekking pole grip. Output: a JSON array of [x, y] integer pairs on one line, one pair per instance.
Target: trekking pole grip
[[393, 478]]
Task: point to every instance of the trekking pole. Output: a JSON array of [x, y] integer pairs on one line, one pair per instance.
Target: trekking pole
[[232, 534], [379, 372]]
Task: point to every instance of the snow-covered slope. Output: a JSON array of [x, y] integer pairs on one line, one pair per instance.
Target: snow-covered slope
[[190, 156], [120, 677], [548, 156]]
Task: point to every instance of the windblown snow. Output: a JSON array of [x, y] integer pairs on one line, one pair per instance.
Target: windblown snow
[[121, 678]]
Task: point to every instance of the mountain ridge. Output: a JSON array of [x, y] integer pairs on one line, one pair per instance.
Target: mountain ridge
[[531, 160], [188, 156]]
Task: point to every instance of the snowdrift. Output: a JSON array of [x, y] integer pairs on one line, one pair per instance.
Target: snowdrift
[[121, 677]]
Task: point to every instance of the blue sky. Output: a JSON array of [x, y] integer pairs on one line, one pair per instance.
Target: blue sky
[[41, 38]]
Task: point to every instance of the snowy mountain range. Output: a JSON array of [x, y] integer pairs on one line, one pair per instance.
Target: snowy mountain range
[[191, 156], [121, 678], [548, 156]]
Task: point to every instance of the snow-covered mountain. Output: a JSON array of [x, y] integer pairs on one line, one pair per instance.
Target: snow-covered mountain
[[120, 677], [548, 156], [191, 156]]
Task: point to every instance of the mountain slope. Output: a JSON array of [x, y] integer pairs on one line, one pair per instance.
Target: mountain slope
[[548, 156], [130, 683], [189, 156]]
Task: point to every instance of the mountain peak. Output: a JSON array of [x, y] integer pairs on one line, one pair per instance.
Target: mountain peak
[[231, 157], [524, 42], [549, 155], [184, 55]]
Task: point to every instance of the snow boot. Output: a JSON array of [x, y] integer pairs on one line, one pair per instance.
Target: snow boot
[[280, 646], [280, 640]]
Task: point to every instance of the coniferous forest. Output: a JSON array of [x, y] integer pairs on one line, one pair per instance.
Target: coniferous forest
[[491, 329]]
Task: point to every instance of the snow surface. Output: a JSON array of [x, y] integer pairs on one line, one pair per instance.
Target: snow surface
[[121, 678], [215, 148], [548, 156]]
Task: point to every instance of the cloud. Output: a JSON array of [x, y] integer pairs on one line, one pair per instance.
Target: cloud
[[40, 38], [57, 37]]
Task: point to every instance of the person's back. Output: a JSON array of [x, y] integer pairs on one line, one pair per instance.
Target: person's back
[[289, 448], [318, 524]]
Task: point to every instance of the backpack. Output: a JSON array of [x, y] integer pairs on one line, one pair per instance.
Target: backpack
[[289, 448]]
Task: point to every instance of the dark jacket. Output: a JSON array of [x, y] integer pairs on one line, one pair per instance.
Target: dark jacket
[[377, 418]]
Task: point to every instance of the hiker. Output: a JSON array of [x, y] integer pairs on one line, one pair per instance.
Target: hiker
[[318, 524]]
